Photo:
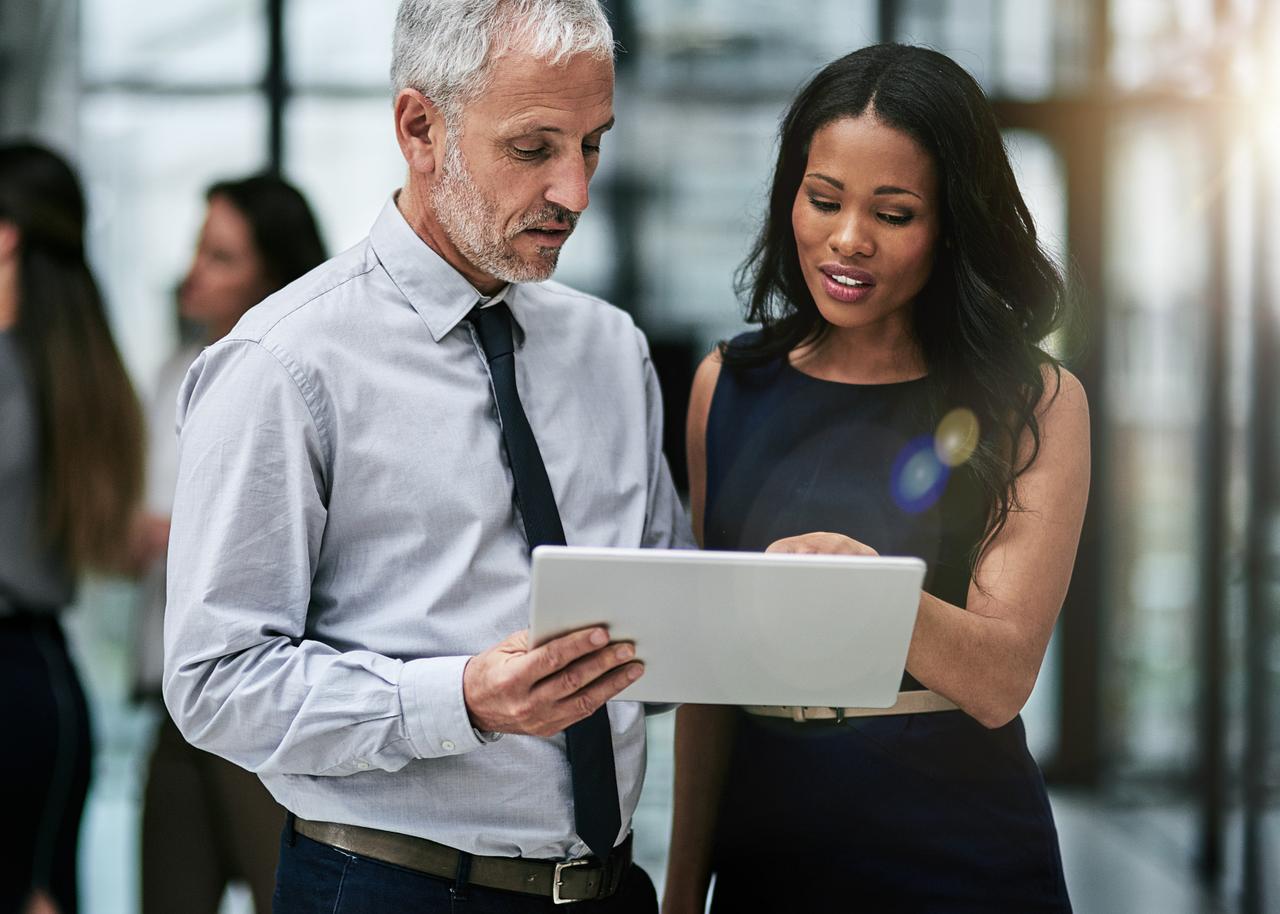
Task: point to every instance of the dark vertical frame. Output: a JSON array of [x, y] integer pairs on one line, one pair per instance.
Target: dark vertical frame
[[275, 85], [1078, 760], [1258, 536], [1213, 478], [1213, 471]]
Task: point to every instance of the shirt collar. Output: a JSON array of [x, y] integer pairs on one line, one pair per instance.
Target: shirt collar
[[440, 294]]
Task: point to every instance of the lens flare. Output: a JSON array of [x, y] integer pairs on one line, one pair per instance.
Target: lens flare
[[919, 477], [957, 437]]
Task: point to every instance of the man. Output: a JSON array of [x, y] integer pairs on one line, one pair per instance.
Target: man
[[366, 461]]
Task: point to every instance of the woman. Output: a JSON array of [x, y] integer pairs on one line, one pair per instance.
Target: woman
[[896, 400], [70, 477], [205, 821]]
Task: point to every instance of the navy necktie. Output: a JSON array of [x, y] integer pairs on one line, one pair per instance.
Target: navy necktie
[[596, 812]]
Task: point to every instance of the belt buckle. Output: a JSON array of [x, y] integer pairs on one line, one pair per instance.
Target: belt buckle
[[557, 882]]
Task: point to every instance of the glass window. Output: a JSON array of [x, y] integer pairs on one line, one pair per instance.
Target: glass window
[[332, 43], [342, 154], [153, 156], [196, 42], [1158, 292]]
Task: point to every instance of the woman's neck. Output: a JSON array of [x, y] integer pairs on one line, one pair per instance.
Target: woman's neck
[[880, 354]]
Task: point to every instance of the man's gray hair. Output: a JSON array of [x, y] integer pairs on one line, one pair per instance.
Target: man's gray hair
[[445, 48]]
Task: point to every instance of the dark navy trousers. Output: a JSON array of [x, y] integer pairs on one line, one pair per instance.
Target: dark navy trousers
[[314, 878]]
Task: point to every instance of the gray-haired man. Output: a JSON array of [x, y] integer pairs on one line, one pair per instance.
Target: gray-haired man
[[366, 461]]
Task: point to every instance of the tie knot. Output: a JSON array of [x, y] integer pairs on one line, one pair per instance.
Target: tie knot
[[493, 325]]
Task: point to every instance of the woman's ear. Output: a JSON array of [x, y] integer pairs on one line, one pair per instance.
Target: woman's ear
[[420, 131]]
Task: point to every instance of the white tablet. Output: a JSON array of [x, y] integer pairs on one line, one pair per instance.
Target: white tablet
[[739, 627]]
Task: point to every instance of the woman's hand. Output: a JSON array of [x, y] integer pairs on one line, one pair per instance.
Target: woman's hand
[[821, 544]]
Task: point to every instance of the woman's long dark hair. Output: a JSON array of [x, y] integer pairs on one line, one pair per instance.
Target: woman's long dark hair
[[90, 424], [993, 295], [284, 229]]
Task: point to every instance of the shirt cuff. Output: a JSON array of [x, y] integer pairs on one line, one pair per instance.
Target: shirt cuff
[[434, 710]]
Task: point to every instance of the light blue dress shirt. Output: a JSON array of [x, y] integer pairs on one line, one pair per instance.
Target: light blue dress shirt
[[344, 539]]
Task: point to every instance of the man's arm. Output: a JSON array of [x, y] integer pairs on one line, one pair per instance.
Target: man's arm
[[241, 677]]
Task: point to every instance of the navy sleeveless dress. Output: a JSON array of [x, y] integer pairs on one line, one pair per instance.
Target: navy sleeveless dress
[[905, 813]]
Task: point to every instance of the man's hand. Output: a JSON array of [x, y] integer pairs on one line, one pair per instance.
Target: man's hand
[[821, 544], [512, 689]]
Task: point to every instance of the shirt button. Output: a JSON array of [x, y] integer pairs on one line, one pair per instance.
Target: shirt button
[[362, 764], [448, 745]]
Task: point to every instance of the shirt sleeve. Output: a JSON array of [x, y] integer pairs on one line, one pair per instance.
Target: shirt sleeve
[[666, 526], [244, 677]]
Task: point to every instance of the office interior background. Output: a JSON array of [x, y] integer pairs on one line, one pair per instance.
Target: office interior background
[[1146, 135]]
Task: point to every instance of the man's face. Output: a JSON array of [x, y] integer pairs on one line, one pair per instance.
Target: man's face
[[516, 168]]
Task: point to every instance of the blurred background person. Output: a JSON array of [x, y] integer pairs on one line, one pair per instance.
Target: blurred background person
[[205, 821], [70, 477]]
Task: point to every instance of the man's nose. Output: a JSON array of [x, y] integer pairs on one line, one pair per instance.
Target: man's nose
[[852, 236], [569, 184]]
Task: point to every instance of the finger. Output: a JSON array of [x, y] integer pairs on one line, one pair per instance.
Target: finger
[[582, 673], [584, 703], [556, 654], [787, 545]]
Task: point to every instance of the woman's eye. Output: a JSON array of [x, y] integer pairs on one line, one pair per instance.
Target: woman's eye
[[823, 206], [897, 218]]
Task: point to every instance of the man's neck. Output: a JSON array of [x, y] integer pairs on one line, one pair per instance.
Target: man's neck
[[417, 211]]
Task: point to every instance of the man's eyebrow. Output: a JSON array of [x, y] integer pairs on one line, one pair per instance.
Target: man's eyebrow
[[882, 190], [547, 128]]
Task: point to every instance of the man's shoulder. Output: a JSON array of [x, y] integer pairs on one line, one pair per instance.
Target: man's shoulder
[[299, 306], [557, 303]]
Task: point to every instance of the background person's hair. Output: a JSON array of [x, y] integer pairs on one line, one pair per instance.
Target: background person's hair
[[284, 229], [89, 421], [993, 295], [445, 48]]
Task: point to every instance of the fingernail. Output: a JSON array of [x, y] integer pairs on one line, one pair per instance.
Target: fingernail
[[626, 652], [634, 672], [598, 637]]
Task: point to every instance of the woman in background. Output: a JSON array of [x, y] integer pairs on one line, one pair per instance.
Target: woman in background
[[70, 478], [205, 821], [896, 400]]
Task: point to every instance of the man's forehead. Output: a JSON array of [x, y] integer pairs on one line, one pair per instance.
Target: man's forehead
[[529, 95]]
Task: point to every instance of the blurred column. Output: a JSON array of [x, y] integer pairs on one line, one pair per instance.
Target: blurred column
[[275, 84], [40, 73], [1260, 525], [1214, 472]]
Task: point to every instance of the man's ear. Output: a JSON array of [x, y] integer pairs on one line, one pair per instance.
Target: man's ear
[[9, 239], [419, 131]]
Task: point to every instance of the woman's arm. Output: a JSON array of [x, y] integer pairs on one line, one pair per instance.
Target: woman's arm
[[986, 656], [702, 731]]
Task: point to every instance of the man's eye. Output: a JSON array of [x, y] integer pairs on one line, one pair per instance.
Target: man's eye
[[590, 150], [522, 153]]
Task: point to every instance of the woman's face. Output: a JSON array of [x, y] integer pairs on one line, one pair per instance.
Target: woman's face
[[866, 221], [227, 276]]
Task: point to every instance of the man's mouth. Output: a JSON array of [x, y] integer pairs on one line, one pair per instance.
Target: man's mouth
[[552, 235]]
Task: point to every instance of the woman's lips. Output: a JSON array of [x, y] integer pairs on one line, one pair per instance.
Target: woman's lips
[[857, 284]]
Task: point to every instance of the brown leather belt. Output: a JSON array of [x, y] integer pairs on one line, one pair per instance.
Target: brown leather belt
[[918, 702], [565, 881]]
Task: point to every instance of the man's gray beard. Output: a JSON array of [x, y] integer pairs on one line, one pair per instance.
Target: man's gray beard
[[471, 223]]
